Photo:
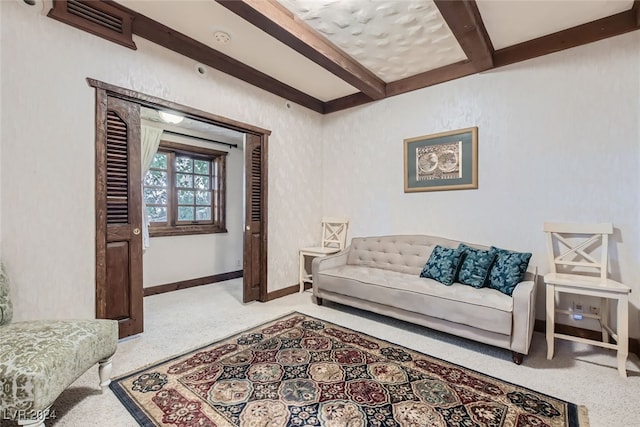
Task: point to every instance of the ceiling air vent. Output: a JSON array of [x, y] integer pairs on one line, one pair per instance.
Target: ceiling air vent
[[95, 17]]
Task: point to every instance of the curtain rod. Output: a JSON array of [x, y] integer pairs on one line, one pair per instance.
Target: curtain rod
[[200, 138]]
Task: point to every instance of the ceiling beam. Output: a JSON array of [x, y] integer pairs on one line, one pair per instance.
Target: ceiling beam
[[173, 40], [430, 78], [346, 102], [610, 26], [419, 81], [464, 20], [280, 23]]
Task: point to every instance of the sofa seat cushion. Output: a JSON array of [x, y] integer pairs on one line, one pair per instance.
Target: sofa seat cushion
[[39, 359], [483, 308]]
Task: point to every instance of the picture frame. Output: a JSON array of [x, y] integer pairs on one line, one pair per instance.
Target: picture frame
[[441, 161]]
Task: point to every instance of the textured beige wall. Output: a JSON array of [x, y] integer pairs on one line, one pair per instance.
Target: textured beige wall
[[559, 140], [177, 258], [48, 228]]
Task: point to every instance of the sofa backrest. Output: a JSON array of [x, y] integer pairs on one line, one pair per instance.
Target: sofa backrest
[[404, 254]]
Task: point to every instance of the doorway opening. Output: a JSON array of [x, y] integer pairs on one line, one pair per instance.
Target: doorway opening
[[119, 196]]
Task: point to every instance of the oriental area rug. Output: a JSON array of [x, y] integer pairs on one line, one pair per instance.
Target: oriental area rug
[[301, 371]]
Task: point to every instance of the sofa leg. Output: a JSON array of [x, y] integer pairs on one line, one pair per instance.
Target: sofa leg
[[104, 371], [517, 357], [317, 300]]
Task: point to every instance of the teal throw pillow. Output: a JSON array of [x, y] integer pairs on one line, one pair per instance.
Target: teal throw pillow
[[508, 270], [442, 265], [475, 268]]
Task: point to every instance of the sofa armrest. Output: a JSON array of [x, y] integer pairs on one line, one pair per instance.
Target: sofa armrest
[[524, 315], [324, 263]]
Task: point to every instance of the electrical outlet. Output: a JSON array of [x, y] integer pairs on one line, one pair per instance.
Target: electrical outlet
[[577, 309], [594, 310]]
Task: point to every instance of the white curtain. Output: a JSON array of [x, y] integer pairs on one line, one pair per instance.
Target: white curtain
[[150, 139]]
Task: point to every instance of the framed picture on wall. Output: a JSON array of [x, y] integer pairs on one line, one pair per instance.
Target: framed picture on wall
[[442, 161]]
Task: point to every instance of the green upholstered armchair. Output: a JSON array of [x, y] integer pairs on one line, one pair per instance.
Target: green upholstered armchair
[[40, 359]]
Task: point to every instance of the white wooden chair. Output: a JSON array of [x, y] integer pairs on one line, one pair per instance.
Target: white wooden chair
[[334, 236], [577, 269]]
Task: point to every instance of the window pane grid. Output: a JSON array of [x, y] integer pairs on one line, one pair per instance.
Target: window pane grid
[[156, 192], [182, 189], [194, 202]]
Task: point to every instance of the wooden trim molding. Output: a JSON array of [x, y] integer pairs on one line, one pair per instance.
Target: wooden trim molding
[[101, 202], [430, 78], [464, 20], [280, 23], [346, 102], [264, 245], [610, 26], [185, 230], [419, 81], [289, 290], [194, 113], [540, 326], [184, 284]]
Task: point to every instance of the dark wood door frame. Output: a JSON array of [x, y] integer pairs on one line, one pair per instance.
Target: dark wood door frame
[[156, 103]]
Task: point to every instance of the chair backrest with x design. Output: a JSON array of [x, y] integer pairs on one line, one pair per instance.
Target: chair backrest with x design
[[334, 232], [572, 248]]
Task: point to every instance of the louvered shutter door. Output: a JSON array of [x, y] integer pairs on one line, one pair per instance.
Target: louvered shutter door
[[119, 276], [253, 261]]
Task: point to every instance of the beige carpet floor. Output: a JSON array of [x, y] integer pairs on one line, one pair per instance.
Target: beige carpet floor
[[186, 319]]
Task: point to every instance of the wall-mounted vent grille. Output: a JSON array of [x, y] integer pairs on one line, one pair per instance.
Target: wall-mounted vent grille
[[96, 17]]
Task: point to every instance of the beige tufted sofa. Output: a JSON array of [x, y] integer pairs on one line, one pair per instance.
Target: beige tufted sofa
[[381, 274]]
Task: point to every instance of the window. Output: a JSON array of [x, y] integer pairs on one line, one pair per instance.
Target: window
[[184, 191]]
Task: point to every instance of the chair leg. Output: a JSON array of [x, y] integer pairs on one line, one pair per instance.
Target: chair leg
[[104, 371], [38, 421]]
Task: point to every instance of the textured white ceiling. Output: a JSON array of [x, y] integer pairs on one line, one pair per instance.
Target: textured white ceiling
[[516, 21], [201, 19], [394, 39]]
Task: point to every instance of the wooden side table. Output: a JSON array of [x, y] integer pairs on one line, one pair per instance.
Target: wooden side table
[[607, 290], [304, 276]]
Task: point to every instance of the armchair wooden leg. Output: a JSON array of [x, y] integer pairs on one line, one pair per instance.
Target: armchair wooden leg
[[517, 357], [317, 300], [104, 371]]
